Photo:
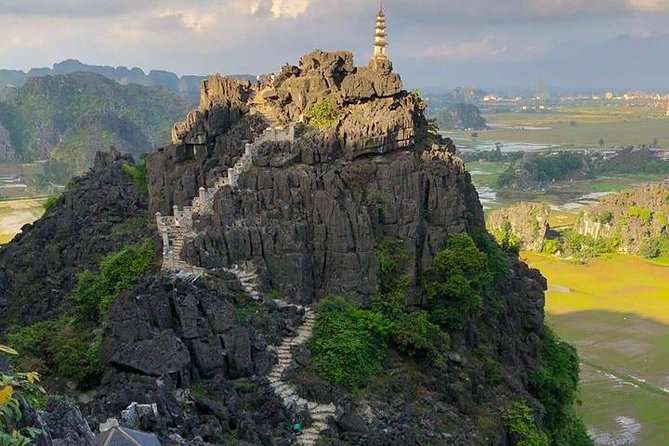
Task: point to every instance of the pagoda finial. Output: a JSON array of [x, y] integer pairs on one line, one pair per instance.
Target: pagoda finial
[[379, 58]]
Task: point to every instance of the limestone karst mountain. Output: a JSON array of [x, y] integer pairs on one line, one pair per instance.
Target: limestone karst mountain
[[68, 118], [273, 197]]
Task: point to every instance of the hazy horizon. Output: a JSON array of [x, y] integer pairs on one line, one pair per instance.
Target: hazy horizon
[[573, 45]]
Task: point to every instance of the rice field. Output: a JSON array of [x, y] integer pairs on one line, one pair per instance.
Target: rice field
[[615, 310], [16, 213]]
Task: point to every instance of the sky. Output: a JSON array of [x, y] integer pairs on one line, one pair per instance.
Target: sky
[[434, 44]]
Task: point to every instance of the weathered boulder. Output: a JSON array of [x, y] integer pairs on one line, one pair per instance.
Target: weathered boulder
[[238, 347], [161, 354], [222, 103], [65, 426]]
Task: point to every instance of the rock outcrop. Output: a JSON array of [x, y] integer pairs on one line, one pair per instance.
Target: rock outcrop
[[634, 217], [312, 230], [525, 224], [39, 268], [199, 352]]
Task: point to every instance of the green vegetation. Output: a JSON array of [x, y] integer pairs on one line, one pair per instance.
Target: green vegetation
[[583, 247], [521, 426], [69, 345], [457, 281], [119, 271], [491, 367], [348, 343], [555, 383], [60, 104], [50, 203], [15, 387], [604, 218], [324, 114], [139, 177], [656, 247], [412, 333], [508, 240], [644, 215], [131, 226], [640, 161], [540, 168]]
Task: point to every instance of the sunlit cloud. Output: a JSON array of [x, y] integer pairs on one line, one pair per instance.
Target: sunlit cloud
[[482, 49]]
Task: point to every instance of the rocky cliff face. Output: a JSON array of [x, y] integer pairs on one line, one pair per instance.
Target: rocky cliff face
[[524, 225], [313, 229], [39, 268], [633, 218]]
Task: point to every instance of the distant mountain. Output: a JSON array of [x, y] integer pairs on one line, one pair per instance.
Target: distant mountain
[[460, 117], [186, 86], [68, 118]]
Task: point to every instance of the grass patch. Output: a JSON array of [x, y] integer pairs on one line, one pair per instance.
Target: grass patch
[[324, 114], [119, 271], [139, 177], [521, 426], [49, 203], [555, 383], [348, 343]]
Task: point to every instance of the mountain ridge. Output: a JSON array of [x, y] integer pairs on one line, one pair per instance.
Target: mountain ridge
[[187, 86]]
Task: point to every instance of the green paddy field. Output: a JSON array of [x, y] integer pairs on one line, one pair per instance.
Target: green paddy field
[[615, 310]]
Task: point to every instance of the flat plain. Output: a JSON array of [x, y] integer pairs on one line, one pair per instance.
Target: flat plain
[[615, 310]]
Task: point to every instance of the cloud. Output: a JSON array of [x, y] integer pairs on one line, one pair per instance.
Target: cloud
[[650, 5], [430, 11], [254, 36], [81, 8], [289, 8], [482, 49]]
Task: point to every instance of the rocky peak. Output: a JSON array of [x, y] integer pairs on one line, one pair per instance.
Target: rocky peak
[[372, 113], [227, 91]]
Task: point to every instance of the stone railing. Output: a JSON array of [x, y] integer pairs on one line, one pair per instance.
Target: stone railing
[[176, 228]]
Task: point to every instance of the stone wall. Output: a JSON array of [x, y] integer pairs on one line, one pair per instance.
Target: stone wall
[[313, 231]]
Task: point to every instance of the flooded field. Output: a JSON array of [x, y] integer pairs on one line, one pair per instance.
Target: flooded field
[[16, 213]]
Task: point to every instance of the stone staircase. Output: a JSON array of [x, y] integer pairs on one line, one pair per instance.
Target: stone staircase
[[176, 229], [320, 413], [259, 106]]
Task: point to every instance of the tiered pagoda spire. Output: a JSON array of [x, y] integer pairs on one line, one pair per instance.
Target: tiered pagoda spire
[[379, 58]]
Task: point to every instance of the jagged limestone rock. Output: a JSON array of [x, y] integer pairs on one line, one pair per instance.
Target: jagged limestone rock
[[526, 222]]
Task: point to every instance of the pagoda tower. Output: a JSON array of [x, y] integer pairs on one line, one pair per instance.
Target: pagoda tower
[[379, 59]]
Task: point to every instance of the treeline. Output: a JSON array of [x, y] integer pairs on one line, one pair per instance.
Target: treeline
[[536, 169]]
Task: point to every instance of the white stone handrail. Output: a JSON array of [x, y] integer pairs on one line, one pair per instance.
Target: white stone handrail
[[175, 228]]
